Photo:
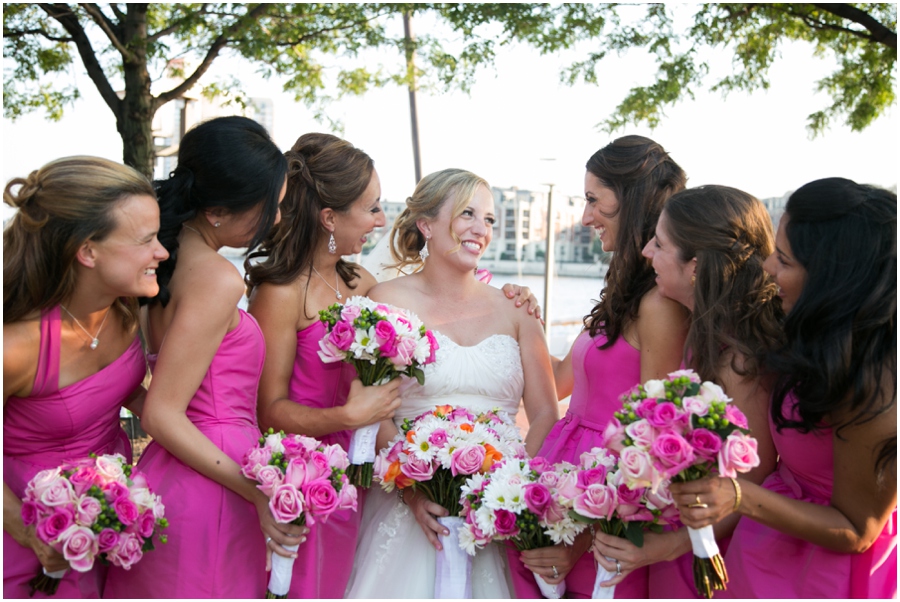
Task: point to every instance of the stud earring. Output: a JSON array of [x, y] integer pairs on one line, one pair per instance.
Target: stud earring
[[217, 224], [693, 279], [332, 246], [423, 253]]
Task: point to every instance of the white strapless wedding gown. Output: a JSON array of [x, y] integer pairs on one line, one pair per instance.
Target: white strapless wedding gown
[[393, 557]]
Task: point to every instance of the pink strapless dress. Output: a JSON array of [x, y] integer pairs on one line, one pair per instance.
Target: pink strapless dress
[[324, 562], [53, 426], [216, 548], [765, 563], [600, 377]]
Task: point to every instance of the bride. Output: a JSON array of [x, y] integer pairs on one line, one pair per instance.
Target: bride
[[491, 355]]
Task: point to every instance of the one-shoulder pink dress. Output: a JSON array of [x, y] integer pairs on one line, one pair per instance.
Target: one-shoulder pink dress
[[600, 377], [53, 426], [216, 548], [765, 563], [325, 560]]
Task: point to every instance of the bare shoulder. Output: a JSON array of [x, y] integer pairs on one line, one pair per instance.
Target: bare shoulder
[[659, 313], [281, 301], [21, 346], [365, 282], [211, 279], [395, 292]]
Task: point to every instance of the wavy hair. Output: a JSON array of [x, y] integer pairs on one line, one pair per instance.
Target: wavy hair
[[642, 175], [425, 203], [62, 205], [324, 171], [229, 163], [736, 306], [842, 331]]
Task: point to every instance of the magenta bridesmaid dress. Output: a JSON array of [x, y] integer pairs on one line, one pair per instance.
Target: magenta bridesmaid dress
[[324, 562], [53, 426], [765, 563], [601, 376], [216, 548]]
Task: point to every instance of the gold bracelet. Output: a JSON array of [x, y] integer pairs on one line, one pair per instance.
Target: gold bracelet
[[737, 494]]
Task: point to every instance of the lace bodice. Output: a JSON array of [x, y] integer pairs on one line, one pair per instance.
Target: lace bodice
[[481, 377]]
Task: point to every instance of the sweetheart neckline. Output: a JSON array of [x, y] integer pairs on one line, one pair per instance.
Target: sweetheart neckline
[[479, 343]]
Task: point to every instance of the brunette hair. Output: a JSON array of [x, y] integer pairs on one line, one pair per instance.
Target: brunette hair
[[736, 306], [226, 162], [642, 175], [426, 202], [842, 331], [60, 206], [323, 172]]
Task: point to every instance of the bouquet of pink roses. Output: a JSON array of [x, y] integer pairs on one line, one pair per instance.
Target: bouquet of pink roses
[[436, 453], [382, 342], [680, 429], [518, 501], [305, 481], [99, 507]]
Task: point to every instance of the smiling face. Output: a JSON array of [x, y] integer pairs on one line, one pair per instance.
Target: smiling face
[[787, 272], [364, 215], [601, 211], [472, 230], [673, 274]]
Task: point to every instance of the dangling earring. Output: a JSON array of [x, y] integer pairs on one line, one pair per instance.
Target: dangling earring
[[217, 224], [423, 253], [693, 279], [332, 246]]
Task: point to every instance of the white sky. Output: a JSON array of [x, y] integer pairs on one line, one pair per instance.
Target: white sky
[[519, 113]]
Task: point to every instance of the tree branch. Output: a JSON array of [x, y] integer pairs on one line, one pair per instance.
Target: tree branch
[[119, 14], [63, 14], [175, 25], [880, 33], [220, 42], [109, 29], [18, 33]]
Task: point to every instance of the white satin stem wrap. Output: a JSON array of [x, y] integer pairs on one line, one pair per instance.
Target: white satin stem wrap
[[282, 569], [56, 574], [453, 574], [600, 592], [362, 444], [551, 592], [703, 541]]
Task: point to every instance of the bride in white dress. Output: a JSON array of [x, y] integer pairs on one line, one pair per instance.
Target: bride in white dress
[[491, 355]]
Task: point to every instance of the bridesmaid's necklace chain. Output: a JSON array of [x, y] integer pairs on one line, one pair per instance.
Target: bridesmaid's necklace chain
[[95, 339], [337, 293]]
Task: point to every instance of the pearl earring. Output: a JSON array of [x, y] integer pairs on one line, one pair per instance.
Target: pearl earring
[[217, 224]]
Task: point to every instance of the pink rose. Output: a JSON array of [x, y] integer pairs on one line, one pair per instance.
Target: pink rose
[[549, 479], [418, 469], [540, 465], [321, 500], [693, 376], [41, 481], [438, 438], [384, 310], [146, 524], [661, 498], [294, 447], [432, 341], [337, 457], [597, 501], [505, 523], [50, 528], [642, 434], [115, 490], [695, 405], [738, 454], [394, 453], [467, 460], [328, 353], [317, 467], [342, 335], [712, 392], [567, 487], [286, 503], [349, 313], [671, 454], [109, 468], [630, 506], [79, 547], [706, 443], [347, 499], [645, 408], [406, 349], [127, 553], [555, 512], [126, 510], [667, 416], [87, 509], [636, 466], [735, 416], [254, 459], [270, 477], [591, 476], [30, 512], [613, 437], [107, 539], [386, 337], [83, 479], [58, 493], [537, 496]]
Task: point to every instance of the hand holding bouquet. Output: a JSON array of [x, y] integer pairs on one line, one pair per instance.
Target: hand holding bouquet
[[681, 429], [99, 507], [305, 481], [382, 342]]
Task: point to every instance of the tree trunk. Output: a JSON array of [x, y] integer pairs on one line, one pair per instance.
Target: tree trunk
[[138, 108]]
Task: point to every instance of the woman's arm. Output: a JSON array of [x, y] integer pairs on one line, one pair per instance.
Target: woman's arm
[[661, 328], [539, 396], [563, 375]]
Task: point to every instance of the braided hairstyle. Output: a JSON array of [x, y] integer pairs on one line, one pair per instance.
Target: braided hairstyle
[[59, 207], [324, 171], [642, 175], [229, 163], [736, 306]]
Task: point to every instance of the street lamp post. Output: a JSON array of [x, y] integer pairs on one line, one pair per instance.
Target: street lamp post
[[549, 256]]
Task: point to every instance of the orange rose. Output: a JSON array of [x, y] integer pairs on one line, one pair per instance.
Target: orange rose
[[392, 471], [403, 481], [491, 456], [443, 410], [409, 436], [466, 427]]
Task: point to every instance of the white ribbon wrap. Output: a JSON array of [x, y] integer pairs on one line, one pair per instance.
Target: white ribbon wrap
[[56, 574], [551, 592], [362, 444], [282, 569], [453, 573], [703, 541], [600, 592]]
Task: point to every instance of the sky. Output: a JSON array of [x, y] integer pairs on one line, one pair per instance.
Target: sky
[[521, 127]]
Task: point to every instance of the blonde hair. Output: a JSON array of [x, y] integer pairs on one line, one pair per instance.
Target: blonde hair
[[60, 206], [426, 202]]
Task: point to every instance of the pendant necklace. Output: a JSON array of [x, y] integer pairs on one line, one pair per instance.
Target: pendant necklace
[[95, 341], [337, 293]]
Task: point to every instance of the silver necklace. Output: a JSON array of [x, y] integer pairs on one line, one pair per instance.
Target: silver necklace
[[94, 339], [337, 293], [192, 228]]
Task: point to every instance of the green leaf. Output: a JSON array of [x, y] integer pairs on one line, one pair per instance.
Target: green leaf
[[634, 533]]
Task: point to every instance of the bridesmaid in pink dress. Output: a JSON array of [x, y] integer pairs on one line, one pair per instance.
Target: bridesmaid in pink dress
[[632, 334], [71, 354], [201, 404], [824, 524]]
